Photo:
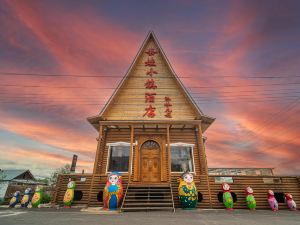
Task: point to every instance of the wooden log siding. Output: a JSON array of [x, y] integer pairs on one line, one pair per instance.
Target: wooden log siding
[[287, 185], [80, 186]]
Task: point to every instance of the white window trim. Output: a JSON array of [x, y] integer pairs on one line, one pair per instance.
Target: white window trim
[[120, 143], [184, 145]]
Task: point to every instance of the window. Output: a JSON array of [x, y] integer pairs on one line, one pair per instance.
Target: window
[[118, 157], [182, 158]]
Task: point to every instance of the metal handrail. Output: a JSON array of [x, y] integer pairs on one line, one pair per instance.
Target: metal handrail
[[172, 198]]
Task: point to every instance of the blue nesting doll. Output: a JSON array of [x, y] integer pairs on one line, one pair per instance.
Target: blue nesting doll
[[26, 198], [15, 199], [187, 191], [113, 191]]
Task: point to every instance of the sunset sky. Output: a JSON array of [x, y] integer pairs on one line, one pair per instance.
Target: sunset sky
[[61, 60]]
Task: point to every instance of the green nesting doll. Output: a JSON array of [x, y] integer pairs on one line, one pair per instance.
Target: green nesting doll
[[227, 198], [69, 195], [187, 191], [250, 200], [37, 197]]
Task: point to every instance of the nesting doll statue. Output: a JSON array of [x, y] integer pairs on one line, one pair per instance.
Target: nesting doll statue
[[290, 202], [227, 198], [250, 200], [272, 201], [187, 191], [69, 195], [15, 199], [26, 198], [37, 197], [113, 191]]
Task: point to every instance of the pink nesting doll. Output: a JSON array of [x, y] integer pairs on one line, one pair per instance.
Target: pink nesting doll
[[272, 201], [290, 202]]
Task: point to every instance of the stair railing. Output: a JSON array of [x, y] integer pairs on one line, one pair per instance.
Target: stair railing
[[172, 198], [124, 197]]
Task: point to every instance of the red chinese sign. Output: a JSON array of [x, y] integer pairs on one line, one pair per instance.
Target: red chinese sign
[[150, 111], [150, 83], [168, 109], [149, 97], [151, 72], [150, 62], [151, 52]]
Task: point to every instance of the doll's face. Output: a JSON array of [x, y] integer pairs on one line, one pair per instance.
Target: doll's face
[[289, 196], [270, 192], [249, 190], [71, 184], [226, 187], [16, 193], [113, 179], [28, 190], [188, 178]]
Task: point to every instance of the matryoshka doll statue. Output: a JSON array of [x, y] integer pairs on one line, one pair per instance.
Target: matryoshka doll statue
[[69, 195], [37, 197], [227, 197], [290, 202], [187, 191], [272, 201], [15, 199], [26, 198], [250, 200], [113, 191]]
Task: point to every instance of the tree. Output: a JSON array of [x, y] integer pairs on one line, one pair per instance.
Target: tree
[[2, 175], [62, 170]]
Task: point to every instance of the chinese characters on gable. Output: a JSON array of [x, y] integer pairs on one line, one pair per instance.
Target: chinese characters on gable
[[151, 85], [168, 109]]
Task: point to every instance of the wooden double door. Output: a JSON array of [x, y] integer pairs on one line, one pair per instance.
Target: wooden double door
[[150, 153]]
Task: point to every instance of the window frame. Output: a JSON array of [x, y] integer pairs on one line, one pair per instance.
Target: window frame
[[182, 144], [117, 144]]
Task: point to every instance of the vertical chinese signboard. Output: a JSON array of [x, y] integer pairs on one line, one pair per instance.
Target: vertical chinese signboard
[[151, 86]]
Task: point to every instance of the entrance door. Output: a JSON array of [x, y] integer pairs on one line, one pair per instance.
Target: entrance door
[[150, 162]]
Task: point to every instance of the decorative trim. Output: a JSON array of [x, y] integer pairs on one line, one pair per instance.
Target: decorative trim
[[182, 144], [120, 143]]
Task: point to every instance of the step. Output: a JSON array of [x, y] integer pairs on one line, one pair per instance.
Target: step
[[149, 203], [148, 189], [135, 209], [149, 200]]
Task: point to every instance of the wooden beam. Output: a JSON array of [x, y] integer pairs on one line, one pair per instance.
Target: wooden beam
[[99, 139], [131, 152], [144, 122], [169, 150], [96, 162], [202, 150]]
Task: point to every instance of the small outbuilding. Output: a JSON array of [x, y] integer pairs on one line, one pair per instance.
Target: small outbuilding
[[15, 180]]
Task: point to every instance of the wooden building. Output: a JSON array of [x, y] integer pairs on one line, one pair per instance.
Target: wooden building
[[151, 130]]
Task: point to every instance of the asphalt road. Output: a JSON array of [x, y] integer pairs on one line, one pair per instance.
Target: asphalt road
[[180, 217]]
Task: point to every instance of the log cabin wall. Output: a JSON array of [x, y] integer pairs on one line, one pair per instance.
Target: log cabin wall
[[260, 185]]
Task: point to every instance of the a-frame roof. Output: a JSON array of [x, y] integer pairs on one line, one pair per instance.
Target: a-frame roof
[[150, 37]]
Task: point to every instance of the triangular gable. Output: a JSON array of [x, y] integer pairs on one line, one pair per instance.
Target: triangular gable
[[140, 77], [171, 100]]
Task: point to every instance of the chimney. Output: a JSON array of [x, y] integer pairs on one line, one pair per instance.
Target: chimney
[[73, 166]]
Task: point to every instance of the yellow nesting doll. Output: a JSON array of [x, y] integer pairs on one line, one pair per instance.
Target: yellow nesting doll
[[69, 195]]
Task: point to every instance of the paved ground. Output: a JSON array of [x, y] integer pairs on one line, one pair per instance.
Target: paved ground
[[199, 217]]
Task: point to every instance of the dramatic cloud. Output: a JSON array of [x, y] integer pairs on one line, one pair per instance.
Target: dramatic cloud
[[239, 60]]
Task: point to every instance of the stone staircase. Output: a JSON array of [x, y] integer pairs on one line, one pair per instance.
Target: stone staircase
[[148, 198]]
